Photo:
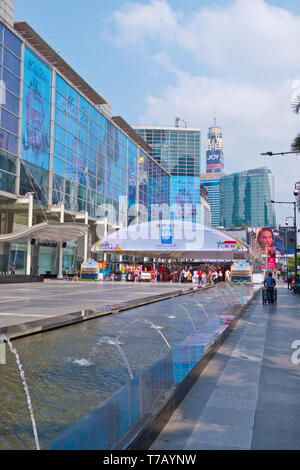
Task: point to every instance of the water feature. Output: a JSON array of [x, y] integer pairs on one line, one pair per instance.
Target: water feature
[[70, 371], [152, 325], [116, 342], [189, 317], [4, 339]]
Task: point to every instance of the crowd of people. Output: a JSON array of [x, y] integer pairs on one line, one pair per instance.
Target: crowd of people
[[202, 274]]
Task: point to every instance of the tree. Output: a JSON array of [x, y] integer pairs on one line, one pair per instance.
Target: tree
[[296, 142]]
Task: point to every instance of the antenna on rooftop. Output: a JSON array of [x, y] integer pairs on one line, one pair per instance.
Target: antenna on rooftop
[[215, 119], [177, 119]]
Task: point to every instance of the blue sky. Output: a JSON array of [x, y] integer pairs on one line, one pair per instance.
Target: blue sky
[[158, 59]]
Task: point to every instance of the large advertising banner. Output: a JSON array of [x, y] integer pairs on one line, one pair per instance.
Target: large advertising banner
[[36, 111], [214, 160], [280, 240]]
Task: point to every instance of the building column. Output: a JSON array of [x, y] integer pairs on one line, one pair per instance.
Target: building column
[[30, 213], [60, 247]]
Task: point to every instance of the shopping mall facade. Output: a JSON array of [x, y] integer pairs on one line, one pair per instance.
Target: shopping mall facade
[[59, 141]]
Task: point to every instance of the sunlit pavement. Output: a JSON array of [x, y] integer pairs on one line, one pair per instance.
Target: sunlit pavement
[[21, 303], [248, 395]]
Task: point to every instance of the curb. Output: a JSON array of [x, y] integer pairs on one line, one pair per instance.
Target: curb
[[46, 324]]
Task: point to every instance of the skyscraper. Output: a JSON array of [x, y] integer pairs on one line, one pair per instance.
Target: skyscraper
[[214, 171], [214, 150], [177, 149], [245, 199]]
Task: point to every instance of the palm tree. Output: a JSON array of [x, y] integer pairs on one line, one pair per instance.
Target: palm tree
[[296, 142]]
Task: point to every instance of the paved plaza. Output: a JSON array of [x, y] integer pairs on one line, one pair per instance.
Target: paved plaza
[[248, 395], [21, 303]]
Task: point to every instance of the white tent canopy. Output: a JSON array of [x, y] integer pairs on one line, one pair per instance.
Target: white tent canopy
[[173, 239]]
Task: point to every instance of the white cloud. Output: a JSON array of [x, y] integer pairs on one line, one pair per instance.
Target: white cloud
[[137, 22], [246, 61]]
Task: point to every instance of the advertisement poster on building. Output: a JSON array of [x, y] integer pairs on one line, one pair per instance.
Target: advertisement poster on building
[[214, 160], [271, 261], [36, 111], [281, 240]]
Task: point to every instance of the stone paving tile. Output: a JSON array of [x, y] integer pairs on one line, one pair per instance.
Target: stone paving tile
[[280, 420], [275, 440], [220, 435]]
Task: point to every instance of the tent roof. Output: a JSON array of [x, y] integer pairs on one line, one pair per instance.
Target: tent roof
[[173, 239]]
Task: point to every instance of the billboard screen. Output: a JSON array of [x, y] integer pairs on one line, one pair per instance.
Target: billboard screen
[[36, 111], [214, 160], [278, 239]]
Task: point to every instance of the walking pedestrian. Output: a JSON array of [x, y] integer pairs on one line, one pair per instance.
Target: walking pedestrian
[[269, 284]]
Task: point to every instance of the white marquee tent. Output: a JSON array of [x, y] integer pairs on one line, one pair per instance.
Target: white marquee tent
[[173, 239]]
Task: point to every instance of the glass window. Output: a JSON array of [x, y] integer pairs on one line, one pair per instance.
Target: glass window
[[102, 134], [81, 192], [92, 181], [72, 110], [72, 95], [1, 32], [92, 154], [11, 103], [8, 162], [11, 62], [82, 148], [58, 166], [60, 101], [59, 149], [100, 186], [102, 121], [93, 127], [70, 172], [92, 168], [94, 114], [59, 134], [12, 83], [12, 42], [71, 156], [61, 85], [82, 133], [83, 105], [83, 119], [7, 182], [101, 173], [58, 183], [8, 142], [92, 141], [60, 118], [9, 121], [71, 126], [109, 191]]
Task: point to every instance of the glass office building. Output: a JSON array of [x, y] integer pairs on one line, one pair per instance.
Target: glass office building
[[211, 182], [177, 150], [59, 140], [245, 199]]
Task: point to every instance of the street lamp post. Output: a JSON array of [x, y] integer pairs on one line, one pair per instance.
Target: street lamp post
[[296, 192]]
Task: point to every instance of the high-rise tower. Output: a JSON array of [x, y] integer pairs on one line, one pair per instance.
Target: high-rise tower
[[214, 150], [177, 149], [214, 170]]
